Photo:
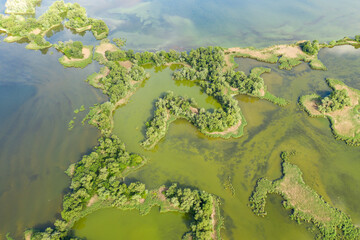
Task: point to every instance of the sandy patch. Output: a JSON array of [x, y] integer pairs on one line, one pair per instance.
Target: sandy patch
[[213, 218], [312, 107], [93, 200], [36, 31], [160, 193], [102, 48], [194, 110], [288, 51], [126, 64], [85, 51]]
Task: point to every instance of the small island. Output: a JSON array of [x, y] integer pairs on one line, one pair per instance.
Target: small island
[[305, 203], [341, 107], [18, 27], [75, 54], [26, 7]]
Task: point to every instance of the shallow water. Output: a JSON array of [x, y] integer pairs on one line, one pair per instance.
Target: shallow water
[[188, 157], [162, 24], [38, 97]]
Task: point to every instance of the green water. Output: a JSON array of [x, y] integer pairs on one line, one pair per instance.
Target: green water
[[155, 225], [38, 96], [188, 157]]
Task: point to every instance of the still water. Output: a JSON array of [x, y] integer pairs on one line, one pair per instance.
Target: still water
[[38, 97]]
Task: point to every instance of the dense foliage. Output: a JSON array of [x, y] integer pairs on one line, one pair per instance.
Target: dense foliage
[[20, 27], [21, 6], [311, 48], [70, 49], [199, 204], [338, 99]]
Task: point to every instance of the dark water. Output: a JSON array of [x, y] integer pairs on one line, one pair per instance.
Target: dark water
[[38, 97]]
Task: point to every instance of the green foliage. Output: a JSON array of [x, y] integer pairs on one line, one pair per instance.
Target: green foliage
[[21, 6], [288, 63], [119, 42], [200, 205], [71, 49], [117, 84], [100, 117], [8, 237], [99, 28], [311, 48], [118, 55], [71, 124], [170, 107], [159, 58], [338, 99], [357, 38]]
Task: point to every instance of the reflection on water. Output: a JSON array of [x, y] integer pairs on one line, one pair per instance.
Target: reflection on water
[[38, 97], [162, 24]]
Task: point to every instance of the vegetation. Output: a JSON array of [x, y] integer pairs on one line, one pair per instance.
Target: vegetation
[[340, 107], [70, 49], [21, 6], [32, 29], [205, 67], [97, 182], [170, 108], [305, 203], [338, 99], [77, 62], [311, 48]]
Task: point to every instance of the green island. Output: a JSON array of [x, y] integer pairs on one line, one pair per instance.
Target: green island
[[34, 30], [98, 179], [341, 107], [305, 204], [75, 54], [21, 6]]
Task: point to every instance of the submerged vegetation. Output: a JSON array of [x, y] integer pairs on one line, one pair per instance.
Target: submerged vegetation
[[98, 179], [97, 182], [305, 203], [340, 107]]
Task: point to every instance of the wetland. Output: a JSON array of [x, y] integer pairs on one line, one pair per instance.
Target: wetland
[[37, 120]]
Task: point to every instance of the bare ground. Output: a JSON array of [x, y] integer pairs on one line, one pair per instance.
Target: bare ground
[[102, 48], [213, 217], [93, 200], [126, 64]]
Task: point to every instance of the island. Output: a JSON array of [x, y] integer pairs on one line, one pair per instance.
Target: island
[[305, 203], [18, 27], [341, 107], [97, 180]]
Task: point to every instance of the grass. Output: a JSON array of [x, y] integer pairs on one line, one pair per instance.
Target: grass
[[34, 46], [305, 203]]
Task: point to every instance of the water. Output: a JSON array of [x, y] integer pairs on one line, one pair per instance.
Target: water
[[188, 157], [38, 97], [162, 24]]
